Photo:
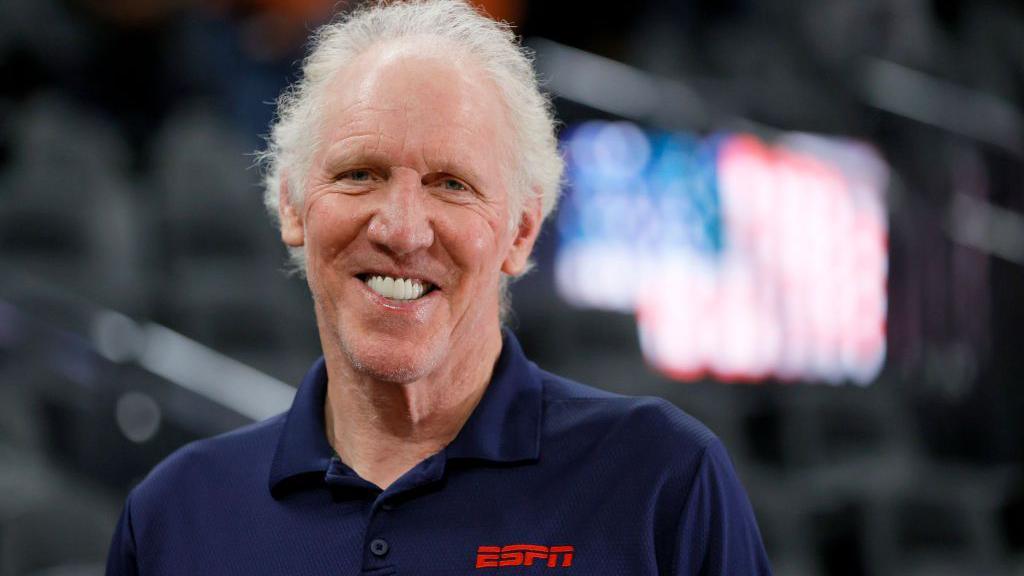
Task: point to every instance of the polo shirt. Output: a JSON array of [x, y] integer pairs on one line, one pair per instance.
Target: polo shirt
[[547, 476]]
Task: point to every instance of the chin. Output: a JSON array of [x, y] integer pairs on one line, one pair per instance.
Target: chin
[[385, 361]]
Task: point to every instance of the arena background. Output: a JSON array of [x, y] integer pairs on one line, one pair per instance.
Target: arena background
[[143, 303]]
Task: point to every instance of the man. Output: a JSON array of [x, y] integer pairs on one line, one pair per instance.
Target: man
[[411, 169]]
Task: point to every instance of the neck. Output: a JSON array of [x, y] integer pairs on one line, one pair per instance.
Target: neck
[[382, 429]]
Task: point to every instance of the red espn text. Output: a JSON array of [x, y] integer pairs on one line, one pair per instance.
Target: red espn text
[[522, 555]]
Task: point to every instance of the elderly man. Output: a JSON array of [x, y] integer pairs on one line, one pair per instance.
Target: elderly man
[[411, 169]]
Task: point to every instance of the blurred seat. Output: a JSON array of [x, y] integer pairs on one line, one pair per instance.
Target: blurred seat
[[59, 532], [48, 520], [91, 569], [220, 277], [208, 193], [66, 215]]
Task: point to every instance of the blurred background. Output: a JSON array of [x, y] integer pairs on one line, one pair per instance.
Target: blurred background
[[800, 221]]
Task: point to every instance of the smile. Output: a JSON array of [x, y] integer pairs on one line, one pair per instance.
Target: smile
[[398, 288]]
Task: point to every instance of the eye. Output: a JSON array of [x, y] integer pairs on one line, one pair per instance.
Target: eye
[[359, 175], [453, 184]]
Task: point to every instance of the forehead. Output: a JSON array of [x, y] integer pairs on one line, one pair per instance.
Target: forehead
[[415, 100]]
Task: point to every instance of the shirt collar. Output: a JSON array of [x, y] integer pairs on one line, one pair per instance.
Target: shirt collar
[[504, 427], [302, 447]]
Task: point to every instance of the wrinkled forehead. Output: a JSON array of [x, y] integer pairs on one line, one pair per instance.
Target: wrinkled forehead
[[413, 83]]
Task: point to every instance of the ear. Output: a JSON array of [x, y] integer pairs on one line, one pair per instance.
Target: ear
[[292, 231], [518, 257]]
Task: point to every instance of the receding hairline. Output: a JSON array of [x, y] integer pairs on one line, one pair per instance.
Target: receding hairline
[[428, 45], [420, 47], [449, 53]]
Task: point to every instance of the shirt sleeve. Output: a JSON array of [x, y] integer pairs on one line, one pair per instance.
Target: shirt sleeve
[[718, 534], [121, 560]]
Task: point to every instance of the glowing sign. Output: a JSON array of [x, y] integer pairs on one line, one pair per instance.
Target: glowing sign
[[741, 260]]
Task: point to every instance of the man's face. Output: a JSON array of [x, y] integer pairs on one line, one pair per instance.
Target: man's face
[[409, 185]]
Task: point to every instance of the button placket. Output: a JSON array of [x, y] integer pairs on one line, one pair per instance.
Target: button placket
[[379, 543]]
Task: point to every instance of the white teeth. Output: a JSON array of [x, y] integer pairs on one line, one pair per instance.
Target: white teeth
[[396, 288]]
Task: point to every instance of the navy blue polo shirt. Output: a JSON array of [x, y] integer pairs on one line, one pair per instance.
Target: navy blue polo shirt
[[547, 476]]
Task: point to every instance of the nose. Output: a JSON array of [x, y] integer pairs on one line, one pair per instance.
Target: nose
[[401, 224]]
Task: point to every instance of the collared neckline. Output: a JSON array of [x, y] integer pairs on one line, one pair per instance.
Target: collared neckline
[[302, 446], [504, 427]]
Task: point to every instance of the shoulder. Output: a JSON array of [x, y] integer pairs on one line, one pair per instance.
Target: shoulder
[[198, 467], [653, 423]]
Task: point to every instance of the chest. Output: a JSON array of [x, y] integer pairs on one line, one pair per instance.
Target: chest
[[481, 521]]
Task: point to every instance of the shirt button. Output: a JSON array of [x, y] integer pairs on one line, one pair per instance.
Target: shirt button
[[379, 547]]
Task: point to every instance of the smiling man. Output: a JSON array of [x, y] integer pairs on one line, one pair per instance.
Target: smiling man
[[410, 170], [407, 228]]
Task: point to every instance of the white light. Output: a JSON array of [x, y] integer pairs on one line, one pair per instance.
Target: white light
[[138, 416], [116, 336], [984, 226], [219, 378]]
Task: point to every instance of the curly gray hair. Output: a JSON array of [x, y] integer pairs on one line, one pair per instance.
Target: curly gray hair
[[291, 145]]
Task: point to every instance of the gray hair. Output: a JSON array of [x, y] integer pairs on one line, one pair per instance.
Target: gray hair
[[537, 165]]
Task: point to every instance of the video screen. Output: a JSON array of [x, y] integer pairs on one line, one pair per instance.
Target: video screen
[[742, 259]]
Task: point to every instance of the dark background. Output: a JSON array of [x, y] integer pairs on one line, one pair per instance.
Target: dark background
[[129, 205]]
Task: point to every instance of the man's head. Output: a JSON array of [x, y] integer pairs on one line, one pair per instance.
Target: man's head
[[454, 26], [411, 170]]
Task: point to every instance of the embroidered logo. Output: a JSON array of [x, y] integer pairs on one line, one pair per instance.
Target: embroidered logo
[[523, 555]]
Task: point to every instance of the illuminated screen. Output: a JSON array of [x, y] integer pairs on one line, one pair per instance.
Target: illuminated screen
[[742, 260]]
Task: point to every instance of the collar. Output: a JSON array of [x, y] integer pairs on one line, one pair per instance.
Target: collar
[[302, 447], [504, 427]]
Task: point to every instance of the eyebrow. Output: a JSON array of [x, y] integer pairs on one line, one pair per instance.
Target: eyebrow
[[345, 153], [464, 171]]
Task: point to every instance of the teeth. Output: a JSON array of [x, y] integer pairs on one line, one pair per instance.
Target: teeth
[[396, 289]]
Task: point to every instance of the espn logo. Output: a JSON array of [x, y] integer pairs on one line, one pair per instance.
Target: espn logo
[[523, 555]]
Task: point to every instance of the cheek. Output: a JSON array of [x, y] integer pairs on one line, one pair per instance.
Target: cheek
[[331, 224], [481, 245]]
